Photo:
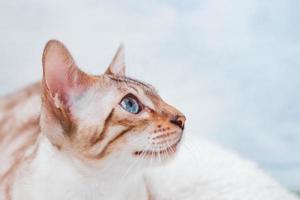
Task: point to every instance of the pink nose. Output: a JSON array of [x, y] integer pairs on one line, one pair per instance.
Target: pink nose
[[178, 120]]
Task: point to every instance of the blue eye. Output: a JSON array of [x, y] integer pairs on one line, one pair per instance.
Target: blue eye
[[130, 104]]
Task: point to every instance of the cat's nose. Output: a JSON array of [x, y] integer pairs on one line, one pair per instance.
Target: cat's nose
[[178, 120]]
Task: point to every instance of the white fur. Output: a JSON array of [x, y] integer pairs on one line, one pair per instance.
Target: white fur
[[53, 175], [203, 171], [102, 103]]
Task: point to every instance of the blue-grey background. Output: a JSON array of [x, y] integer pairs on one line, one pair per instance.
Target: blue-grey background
[[231, 66]]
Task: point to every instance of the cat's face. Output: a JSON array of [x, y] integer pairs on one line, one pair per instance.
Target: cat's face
[[108, 116]]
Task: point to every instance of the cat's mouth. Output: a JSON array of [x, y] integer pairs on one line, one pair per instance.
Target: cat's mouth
[[170, 150]]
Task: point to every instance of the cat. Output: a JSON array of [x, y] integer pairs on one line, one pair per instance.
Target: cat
[[86, 134], [85, 137]]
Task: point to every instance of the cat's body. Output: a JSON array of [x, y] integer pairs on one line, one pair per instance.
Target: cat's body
[[19, 132], [52, 175], [82, 145]]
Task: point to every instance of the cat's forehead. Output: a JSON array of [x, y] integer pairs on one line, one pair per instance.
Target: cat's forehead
[[130, 82]]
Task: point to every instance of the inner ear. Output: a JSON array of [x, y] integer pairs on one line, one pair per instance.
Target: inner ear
[[117, 65], [62, 80], [60, 72]]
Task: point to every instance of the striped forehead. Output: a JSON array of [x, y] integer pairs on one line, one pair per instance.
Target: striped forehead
[[148, 89], [138, 86]]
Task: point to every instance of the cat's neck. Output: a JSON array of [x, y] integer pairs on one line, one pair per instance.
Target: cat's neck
[[57, 176]]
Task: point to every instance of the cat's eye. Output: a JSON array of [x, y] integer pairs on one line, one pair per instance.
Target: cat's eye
[[130, 104]]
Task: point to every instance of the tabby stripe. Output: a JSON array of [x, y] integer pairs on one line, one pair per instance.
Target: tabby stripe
[[112, 141], [12, 100], [7, 194], [3, 129], [19, 154], [129, 80], [8, 177], [99, 136], [121, 80]]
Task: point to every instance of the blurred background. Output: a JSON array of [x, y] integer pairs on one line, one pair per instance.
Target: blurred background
[[231, 66]]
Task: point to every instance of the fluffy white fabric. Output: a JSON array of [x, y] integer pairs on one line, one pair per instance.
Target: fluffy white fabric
[[204, 171]]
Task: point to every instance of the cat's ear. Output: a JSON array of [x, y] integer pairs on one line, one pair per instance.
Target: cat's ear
[[117, 66], [61, 76]]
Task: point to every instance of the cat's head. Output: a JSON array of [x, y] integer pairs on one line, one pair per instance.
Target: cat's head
[[106, 116]]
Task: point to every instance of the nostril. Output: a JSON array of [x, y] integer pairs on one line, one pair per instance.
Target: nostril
[[178, 120]]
